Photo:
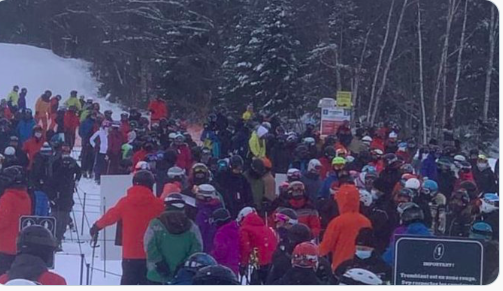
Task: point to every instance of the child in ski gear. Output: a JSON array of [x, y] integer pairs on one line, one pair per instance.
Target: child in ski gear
[[226, 241]]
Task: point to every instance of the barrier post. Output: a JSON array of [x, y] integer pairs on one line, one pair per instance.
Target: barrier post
[[81, 269]]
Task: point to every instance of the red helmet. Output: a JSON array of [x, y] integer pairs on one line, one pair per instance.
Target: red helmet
[[305, 255]]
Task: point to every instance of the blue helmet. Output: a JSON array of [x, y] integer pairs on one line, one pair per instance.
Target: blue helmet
[[481, 230], [199, 260], [430, 187]]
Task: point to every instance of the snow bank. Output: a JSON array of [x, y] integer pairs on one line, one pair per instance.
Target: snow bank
[[39, 69]]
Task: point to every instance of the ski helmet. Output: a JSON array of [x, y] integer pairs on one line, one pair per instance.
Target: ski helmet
[[314, 166], [430, 187], [20, 282], [367, 139], [413, 184], [481, 230], [13, 176], [329, 152], [490, 202], [365, 197], [38, 241], [293, 174], [305, 255], [9, 151], [215, 275], [407, 169], [206, 192], [144, 178], [286, 215], [197, 261], [309, 141], [357, 276], [299, 233], [444, 163], [406, 193], [296, 189], [220, 216], [142, 165], [391, 160], [236, 162], [339, 162], [411, 212], [244, 212], [176, 173], [174, 201]]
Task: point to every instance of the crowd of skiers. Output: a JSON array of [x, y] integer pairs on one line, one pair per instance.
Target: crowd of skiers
[[214, 213]]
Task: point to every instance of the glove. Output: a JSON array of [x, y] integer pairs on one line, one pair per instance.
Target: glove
[[94, 233], [242, 270], [162, 268]]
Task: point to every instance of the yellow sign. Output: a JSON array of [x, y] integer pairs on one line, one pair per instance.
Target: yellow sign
[[344, 99]]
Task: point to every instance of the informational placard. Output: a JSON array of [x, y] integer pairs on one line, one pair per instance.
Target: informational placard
[[332, 118], [437, 261], [48, 222], [344, 99]]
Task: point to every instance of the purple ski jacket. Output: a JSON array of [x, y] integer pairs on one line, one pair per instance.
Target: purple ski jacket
[[226, 246]]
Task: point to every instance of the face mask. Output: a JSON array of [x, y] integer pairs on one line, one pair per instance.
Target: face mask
[[38, 134], [481, 166], [363, 254]]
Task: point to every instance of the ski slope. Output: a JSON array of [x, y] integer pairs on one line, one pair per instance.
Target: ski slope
[[39, 69]]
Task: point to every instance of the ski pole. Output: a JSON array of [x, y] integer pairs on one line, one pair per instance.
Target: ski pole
[[93, 241]]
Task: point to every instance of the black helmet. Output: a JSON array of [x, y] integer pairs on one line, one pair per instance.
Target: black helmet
[[220, 216], [108, 112], [330, 152], [13, 176], [411, 212], [391, 160], [38, 241], [215, 275], [236, 161], [197, 261], [144, 178]]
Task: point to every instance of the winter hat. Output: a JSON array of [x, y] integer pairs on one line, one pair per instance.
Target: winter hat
[[299, 233], [46, 149], [365, 238], [221, 216], [174, 202], [9, 151], [261, 131]]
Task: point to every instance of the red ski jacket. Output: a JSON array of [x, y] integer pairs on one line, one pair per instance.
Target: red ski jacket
[[253, 233], [115, 142], [31, 147], [184, 159], [71, 121], [14, 203], [47, 278], [136, 210], [159, 109]]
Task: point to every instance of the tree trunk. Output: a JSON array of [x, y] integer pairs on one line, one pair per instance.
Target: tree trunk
[[421, 82], [443, 59], [458, 67], [357, 77], [388, 63], [489, 71], [378, 66]]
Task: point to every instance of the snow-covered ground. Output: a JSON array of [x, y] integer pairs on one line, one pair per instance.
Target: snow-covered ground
[[39, 69]]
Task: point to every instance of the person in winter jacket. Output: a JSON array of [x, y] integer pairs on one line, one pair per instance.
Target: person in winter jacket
[[33, 145], [114, 151], [307, 214], [312, 180], [99, 141], [226, 240], [437, 206], [169, 240], [207, 201], [391, 173], [484, 176], [13, 99], [460, 215], [341, 232], [42, 109], [366, 257], [257, 143], [86, 130], [5, 111], [41, 177], [175, 183], [338, 164], [71, 123], [248, 114], [412, 220], [66, 175], [14, 203], [255, 238], [280, 155], [254, 176], [429, 167], [135, 210], [391, 144], [489, 213], [158, 110], [73, 101], [184, 159], [269, 182], [146, 149], [326, 161], [35, 249], [305, 262], [53, 110], [191, 267], [20, 156], [25, 126], [21, 103], [234, 187]]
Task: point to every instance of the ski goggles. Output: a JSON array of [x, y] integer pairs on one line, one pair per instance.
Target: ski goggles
[[280, 217]]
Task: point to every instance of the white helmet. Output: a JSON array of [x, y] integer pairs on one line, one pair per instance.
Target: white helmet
[[9, 151], [244, 212], [358, 276], [365, 197], [367, 139], [459, 158], [393, 135], [142, 165], [309, 141], [20, 282], [172, 135], [313, 164], [175, 172], [413, 184]]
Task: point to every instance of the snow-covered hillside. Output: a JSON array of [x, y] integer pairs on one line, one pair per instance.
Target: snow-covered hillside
[[39, 69]]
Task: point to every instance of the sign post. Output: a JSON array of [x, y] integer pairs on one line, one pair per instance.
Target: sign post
[[344, 99], [437, 261]]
